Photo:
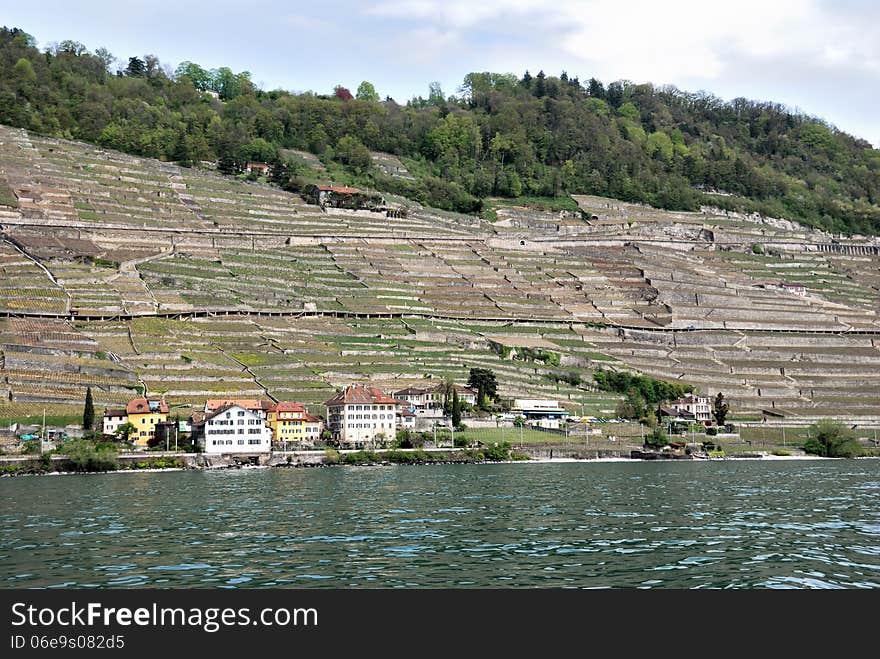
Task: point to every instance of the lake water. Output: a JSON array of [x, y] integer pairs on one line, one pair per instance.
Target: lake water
[[731, 524]]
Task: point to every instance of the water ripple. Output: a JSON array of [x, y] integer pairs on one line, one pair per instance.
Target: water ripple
[[715, 525]]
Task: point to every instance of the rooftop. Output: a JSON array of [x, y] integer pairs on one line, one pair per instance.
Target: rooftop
[[360, 394]]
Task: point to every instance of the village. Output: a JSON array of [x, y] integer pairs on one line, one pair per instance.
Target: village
[[359, 417]]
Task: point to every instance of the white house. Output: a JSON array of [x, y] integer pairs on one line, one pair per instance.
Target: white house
[[113, 418], [539, 412], [236, 429], [429, 402], [360, 415], [699, 406], [406, 420]]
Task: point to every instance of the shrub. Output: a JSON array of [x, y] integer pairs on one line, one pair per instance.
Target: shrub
[[712, 431], [781, 452], [331, 457], [832, 440], [88, 456], [497, 452], [657, 439]]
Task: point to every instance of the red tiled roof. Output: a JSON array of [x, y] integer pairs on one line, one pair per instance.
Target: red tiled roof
[[260, 165], [284, 406], [142, 406], [406, 413], [359, 394], [337, 188], [115, 412], [247, 403], [311, 418]]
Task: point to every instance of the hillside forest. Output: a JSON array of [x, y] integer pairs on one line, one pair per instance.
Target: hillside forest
[[534, 137]]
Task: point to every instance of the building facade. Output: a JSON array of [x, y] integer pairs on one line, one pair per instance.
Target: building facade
[[698, 406], [235, 429], [144, 414], [539, 412], [113, 418], [291, 422], [429, 402], [359, 416]]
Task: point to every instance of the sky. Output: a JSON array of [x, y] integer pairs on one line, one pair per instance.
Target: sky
[[821, 57]]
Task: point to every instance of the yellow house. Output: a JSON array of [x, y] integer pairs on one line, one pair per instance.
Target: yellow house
[[290, 422], [144, 414]]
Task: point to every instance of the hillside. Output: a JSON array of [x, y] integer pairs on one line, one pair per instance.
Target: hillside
[[122, 272], [500, 136]]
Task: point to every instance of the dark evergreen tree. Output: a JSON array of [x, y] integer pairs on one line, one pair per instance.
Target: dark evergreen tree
[[89, 411], [483, 381], [456, 409], [136, 68], [720, 409]]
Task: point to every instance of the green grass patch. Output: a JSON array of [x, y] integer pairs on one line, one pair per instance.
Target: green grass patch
[[7, 196]]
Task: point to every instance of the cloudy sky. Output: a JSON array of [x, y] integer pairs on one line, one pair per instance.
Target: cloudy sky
[[820, 56]]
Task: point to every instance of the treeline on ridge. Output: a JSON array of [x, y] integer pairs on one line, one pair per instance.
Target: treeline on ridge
[[501, 135]]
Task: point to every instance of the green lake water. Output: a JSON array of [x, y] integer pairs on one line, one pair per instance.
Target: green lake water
[[731, 524]]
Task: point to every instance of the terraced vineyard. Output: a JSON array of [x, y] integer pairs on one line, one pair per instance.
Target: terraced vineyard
[[128, 274]]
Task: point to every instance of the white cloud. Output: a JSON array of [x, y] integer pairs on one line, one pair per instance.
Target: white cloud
[[805, 52]]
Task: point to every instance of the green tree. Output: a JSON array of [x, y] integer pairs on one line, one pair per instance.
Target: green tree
[[483, 381], [456, 409], [125, 431], [136, 68], [89, 411], [720, 409], [199, 77], [657, 438], [367, 92], [24, 71], [351, 152], [832, 440]]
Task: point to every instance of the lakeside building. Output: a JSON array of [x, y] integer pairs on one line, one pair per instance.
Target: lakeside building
[[253, 404], [235, 429], [113, 418], [539, 412], [698, 408], [144, 414], [360, 415], [429, 401], [291, 422], [406, 419]]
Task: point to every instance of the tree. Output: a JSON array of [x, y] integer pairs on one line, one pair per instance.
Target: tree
[[483, 381], [657, 438], [832, 440], [456, 409], [124, 431], [89, 411], [720, 409], [367, 92], [200, 78], [341, 92], [351, 152], [136, 68], [435, 94]]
